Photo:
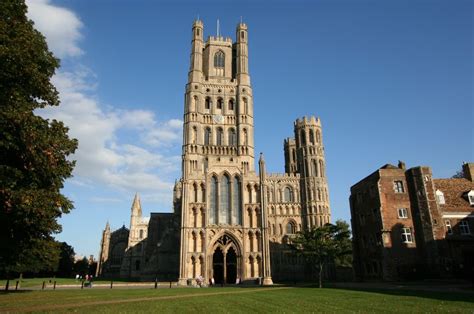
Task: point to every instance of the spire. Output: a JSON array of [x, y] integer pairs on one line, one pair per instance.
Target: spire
[[107, 226], [136, 206], [261, 166]]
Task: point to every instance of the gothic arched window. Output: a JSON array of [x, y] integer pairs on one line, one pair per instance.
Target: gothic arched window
[[231, 104], [311, 137], [303, 137], [315, 168], [290, 228], [224, 201], [219, 137], [207, 104], [195, 190], [213, 201], [232, 138], [194, 136], [288, 195], [207, 136], [219, 59], [237, 205], [219, 103], [318, 136], [321, 168], [245, 137]]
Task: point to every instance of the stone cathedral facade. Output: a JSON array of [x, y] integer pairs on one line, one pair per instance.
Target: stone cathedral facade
[[230, 222]]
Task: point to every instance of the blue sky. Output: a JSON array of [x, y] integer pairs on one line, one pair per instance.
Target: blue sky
[[391, 80]]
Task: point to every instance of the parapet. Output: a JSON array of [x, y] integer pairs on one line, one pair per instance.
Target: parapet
[[219, 39], [307, 121]]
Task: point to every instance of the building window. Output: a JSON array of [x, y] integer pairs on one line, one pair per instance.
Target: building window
[[303, 138], [288, 195], [141, 234], [290, 228], [213, 201], [219, 103], [236, 198], [207, 137], [464, 227], [231, 104], [224, 204], [402, 213], [219, 58], [440, 197], [232, 138], [219, 137], [448, 227], [470, 197], [406, 235], [207, 103], [398, 187], [311, 137]]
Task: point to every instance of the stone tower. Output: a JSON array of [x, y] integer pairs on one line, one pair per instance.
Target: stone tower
[[305, 155], [221, 234], [133, 259], [104, 249]]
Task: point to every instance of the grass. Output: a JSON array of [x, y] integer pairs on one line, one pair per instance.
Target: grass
[[236, 300], [38, 282]]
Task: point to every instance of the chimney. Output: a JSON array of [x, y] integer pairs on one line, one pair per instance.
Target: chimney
[[401, 165], [468, 170]]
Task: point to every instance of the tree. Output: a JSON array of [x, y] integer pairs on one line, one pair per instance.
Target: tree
[[320, 246], [81, 266], [33, 151], [66, 260]]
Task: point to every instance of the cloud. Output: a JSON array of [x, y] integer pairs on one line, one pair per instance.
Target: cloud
[[104, 156], [60, 26]]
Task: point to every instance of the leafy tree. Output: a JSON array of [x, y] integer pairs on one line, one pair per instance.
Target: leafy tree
[[322, 245], [81, 267], [66, 260], [458, 175], [33, 150]]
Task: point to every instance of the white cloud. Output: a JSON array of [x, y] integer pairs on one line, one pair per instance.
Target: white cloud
[[104, 157], [60, 26]]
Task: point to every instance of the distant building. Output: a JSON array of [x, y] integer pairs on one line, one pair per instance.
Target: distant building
[[229, 222], [406, 224]]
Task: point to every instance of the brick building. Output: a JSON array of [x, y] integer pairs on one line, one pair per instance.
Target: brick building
[[408, 225]]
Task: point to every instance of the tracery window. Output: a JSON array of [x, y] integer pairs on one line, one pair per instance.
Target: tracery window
[[213, 201], [224, 202], [237, 206], [288, 195], [219, 59], [290, 228]]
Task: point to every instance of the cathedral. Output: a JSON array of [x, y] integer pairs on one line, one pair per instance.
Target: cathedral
[[230, 222]]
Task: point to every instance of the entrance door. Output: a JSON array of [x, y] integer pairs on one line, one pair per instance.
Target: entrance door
[[218, 266], [231, 266]]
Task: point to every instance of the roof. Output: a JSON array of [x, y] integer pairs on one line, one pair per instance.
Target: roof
[[455, 194]]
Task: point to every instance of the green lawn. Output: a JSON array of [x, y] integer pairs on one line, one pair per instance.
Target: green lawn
[[237, 300], [38, 282]]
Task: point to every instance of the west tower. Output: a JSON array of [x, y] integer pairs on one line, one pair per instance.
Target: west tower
[[221, 233]]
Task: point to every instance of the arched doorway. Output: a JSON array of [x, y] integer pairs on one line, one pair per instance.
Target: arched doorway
[[225, 261], [218, 265]]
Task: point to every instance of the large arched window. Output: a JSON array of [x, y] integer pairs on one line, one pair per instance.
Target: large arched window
[[224, 201], [219, 103], [207, 104], [290, 228], [213, 201], [288, 195], [236, 206], [207, 136], [303, 138], [219, 137], [231, 104], [232, 138], [219, 59]]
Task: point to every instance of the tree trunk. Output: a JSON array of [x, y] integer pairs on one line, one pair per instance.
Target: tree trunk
[[320, 275]]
